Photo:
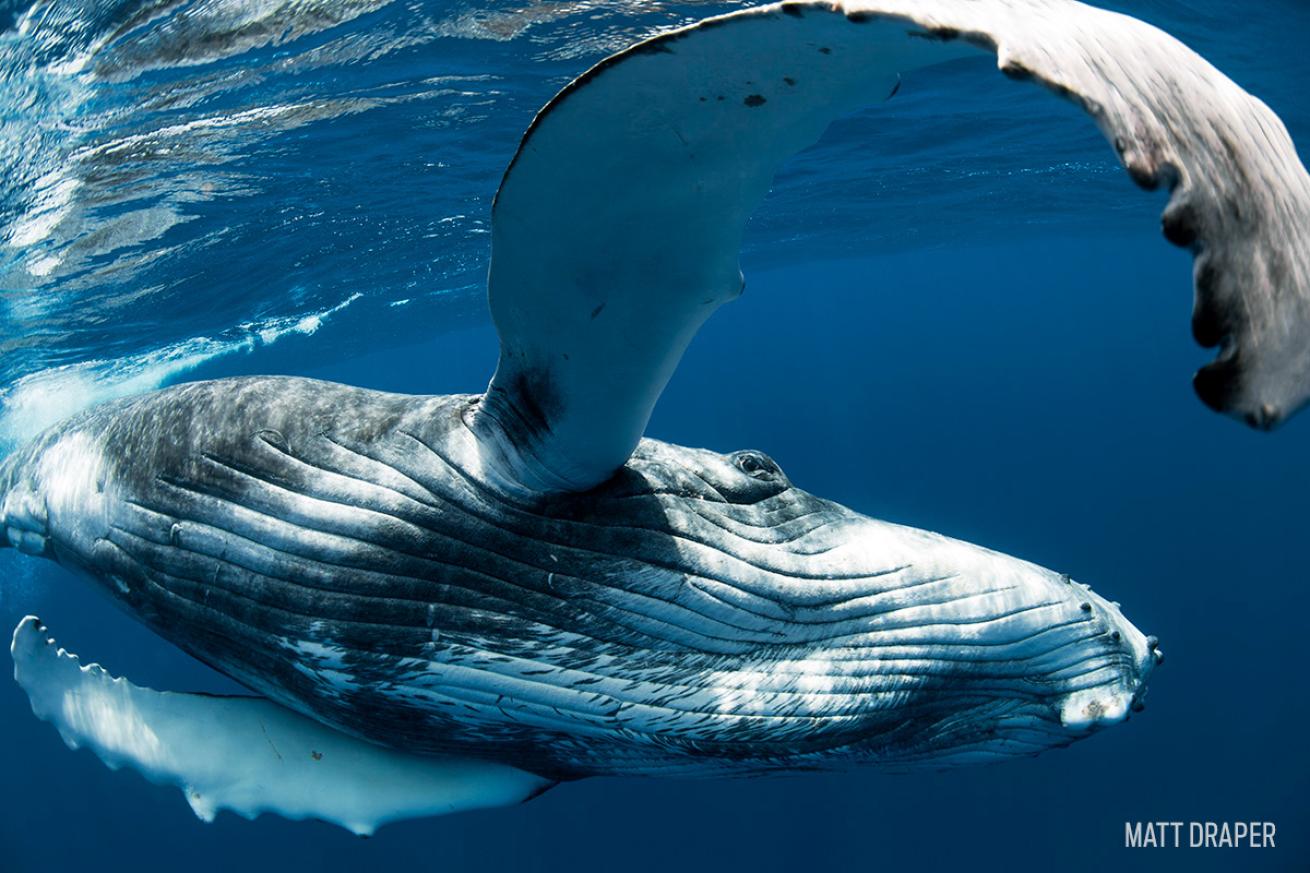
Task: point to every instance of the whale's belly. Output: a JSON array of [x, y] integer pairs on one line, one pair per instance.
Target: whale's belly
[[339, 551]]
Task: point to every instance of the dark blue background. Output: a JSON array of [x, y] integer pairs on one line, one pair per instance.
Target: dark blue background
[[1030, 397]]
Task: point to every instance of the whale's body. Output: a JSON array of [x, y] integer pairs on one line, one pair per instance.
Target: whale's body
[[336, 550]]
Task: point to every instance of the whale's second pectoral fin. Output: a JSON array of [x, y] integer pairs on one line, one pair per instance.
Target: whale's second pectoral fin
[[248, 754], [616, 228]]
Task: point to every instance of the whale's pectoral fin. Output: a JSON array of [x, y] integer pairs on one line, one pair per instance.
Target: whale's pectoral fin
[[617, 226], [248, 754]]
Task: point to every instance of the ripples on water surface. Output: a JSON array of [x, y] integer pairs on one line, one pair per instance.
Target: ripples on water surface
[[184, 180]]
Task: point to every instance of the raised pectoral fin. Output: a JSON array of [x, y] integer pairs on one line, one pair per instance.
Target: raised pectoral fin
[[248, 754], [616, 229]]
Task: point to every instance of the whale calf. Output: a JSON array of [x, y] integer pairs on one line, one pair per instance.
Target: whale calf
[[519, 588]]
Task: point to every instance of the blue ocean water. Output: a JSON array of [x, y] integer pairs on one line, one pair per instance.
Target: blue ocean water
[[959, 316]]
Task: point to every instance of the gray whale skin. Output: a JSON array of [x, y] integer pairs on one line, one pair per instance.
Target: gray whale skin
[[335, 550], [520, 588]]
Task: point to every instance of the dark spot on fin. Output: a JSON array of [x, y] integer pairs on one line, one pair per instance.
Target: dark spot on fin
[[860, 17], [1145, 177], [824, 50], [534, 400], [1179, 225], [789, 80], [1017, 71], [754, 100], [795, 10], [940, 34], [1211, 321], [1219, 384], [598, 310], [896, 89]]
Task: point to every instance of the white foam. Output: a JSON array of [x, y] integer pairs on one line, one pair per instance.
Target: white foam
[[42, 399], [306, 325], [47, 397]]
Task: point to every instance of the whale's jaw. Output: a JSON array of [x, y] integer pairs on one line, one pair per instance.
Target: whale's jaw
[[695, 614], [972, 656], [1093, 680]]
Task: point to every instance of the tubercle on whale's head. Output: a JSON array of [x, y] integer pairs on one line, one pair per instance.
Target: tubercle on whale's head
[[1110, 700], [978, 716], [1100, 677]]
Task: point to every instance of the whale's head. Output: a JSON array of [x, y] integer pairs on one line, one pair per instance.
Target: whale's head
[[914, 648], [966, 655]]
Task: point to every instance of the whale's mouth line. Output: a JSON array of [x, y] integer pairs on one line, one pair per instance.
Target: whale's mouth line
[[990, 732]]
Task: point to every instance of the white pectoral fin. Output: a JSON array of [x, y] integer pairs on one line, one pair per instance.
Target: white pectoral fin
[[616, 229], [617, 225], [248, 754]]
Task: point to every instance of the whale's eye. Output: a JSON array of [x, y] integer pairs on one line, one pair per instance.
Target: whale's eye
[[757, 465]]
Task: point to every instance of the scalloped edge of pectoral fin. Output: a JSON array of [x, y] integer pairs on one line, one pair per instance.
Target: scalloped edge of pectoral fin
[[617, 225], [249, 754]]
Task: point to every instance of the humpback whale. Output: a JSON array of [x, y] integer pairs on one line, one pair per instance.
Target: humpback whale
[[450, 602]]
